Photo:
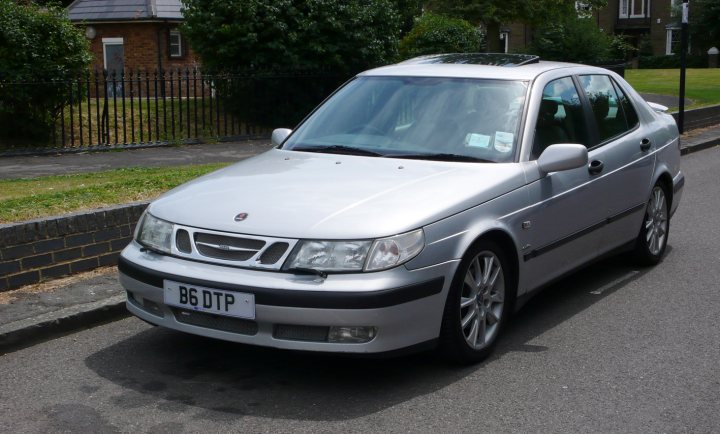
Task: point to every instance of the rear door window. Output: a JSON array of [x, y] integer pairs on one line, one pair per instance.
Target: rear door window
[[608, 107]]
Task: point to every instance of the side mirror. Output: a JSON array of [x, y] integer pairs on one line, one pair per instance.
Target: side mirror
[[562, 157], [279, 135]]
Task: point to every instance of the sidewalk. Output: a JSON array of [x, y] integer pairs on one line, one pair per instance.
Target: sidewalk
[[40, 312], [63, 164]]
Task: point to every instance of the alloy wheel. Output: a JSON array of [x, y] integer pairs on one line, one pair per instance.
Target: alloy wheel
[[656, 221], [481, 300]]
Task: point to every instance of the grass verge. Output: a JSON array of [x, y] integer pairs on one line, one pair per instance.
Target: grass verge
[[702, 86], [24, 199]]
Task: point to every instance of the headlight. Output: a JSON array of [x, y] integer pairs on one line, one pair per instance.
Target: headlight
[[392, 251], [154, 233], [357, 255], [331, 255]]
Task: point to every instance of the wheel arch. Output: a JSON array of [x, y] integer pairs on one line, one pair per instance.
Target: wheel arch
[[665, 179]]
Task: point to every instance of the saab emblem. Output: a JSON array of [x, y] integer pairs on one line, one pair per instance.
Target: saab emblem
[[240, 217]]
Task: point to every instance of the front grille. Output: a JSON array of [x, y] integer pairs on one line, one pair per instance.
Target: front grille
[[231, 249], [216, 322], [182, 241], [227, 247], [301, 333], [273, 253]]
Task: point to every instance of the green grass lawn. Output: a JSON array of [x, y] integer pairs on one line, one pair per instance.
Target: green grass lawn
[[24, 199], [702, 86]]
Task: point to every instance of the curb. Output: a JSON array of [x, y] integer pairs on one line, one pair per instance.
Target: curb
[[26, 332], [700, 146]]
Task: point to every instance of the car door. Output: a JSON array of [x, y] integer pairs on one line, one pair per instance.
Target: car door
[[567, 208], [622, 157]]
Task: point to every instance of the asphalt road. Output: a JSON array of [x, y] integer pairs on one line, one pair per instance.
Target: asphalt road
[[611, 349]]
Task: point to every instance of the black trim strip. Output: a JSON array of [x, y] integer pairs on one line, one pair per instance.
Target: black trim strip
[[572, 237], [680, 184], [291, 298]]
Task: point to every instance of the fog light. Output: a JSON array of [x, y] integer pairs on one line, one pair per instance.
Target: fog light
[[351, 335]]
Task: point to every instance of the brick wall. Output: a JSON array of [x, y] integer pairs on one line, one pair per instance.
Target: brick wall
[[140, 41], [39, 250]]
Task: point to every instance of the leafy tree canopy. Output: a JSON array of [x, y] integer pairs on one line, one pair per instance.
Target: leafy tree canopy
[[705, 23], [492, 13], [439, 34], [37, 45], [344, 36], [576, 39]]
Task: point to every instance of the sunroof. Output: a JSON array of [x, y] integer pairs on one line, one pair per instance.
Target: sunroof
[[495, 59]]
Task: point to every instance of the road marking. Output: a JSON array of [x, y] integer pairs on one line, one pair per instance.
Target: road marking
[[615, 282]]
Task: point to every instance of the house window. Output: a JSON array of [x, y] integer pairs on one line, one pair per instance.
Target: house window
[[624, 11], [175, 43], [634, 8], [505, 41], [672, 41]]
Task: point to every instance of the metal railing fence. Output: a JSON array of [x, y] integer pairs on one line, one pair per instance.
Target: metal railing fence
[[145, 108]]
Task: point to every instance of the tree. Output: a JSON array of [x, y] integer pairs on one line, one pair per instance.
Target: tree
[[338, 37], [705, 23], [439, 34], [38, 46], [345, 36], [491, 14], [576, 39]]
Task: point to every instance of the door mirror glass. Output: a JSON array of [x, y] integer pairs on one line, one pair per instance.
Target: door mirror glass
[[564, 156]]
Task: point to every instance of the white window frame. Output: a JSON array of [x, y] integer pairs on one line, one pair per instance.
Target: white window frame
[[624, 4], [110, 41], [669, 40], [175, 32], [505, 37], [629, 8]]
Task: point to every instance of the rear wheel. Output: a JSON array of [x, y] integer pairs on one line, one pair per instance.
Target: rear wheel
[[478, 304], [652, 239]]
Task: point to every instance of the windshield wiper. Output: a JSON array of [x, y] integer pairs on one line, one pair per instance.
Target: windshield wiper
[[338, 149], [439, 157]]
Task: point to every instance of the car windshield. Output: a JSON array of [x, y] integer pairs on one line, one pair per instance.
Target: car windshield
[[450, 119]]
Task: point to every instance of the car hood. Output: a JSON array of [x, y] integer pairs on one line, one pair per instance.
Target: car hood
[[322, 196]]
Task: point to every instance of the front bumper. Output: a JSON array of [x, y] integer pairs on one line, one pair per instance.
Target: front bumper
[[405, 306]]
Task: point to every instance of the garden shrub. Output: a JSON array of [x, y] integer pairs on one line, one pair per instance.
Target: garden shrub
[[434, 34], [39, 48]]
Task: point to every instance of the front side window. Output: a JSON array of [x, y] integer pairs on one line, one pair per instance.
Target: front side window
[[457, 119], [609, 116], [560, 119]]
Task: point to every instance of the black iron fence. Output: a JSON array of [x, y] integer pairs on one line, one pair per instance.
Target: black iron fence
[[144, 108]]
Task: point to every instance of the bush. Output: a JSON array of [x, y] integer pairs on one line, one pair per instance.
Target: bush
[[577, 40], [37, 45], [671, 62], [336, 37], [434, 34]]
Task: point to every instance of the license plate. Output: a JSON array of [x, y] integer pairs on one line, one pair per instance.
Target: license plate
[[209, 300]]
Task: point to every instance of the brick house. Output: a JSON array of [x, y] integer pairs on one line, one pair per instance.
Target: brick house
[[652, 20], [133, 34]]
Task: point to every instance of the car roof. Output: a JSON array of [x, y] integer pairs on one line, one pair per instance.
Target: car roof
[[471, 65]]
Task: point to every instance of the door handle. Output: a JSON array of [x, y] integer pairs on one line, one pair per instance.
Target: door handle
[[645, 144], [595, 167]]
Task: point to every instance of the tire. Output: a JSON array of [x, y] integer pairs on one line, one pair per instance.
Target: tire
[[652, 240], [478, 304]]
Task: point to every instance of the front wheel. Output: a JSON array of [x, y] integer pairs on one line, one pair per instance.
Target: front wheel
[[478, 304], [652, 239]]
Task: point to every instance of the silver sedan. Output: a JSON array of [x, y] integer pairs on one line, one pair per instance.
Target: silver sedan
[[417, 207]]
